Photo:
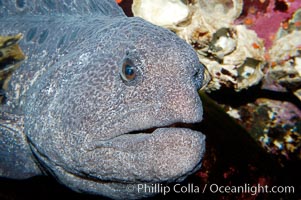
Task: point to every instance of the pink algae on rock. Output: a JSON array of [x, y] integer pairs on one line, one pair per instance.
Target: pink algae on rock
[[266, 16]]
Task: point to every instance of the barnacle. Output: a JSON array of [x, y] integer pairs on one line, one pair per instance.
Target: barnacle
[[285, 59], [161, 12]]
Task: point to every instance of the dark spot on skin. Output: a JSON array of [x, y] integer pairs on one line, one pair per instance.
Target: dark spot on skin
[[61, 42], [281, 6], [226, 72], [31, 33], [43, 36], [93, 6], [20, 3], [73, 35], [292, 75], [218, 74], [68, 2], [1, 54], [50, 4]]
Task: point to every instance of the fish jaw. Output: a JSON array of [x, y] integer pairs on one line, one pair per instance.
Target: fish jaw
[[131, 160], [165, 154]]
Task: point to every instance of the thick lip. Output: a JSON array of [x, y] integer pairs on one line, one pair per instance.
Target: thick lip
[[136, 143], [149, 149]]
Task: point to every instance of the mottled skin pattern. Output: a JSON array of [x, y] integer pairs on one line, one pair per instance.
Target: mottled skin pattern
[[69, 113]]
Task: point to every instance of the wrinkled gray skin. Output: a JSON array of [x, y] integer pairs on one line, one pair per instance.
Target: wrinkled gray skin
[[70, 114]]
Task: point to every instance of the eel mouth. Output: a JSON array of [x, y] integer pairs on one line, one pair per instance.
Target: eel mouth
[[192, 126], [134, 135], [156, 154]]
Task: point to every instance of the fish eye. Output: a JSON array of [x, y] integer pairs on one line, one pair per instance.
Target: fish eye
[[128, 71]]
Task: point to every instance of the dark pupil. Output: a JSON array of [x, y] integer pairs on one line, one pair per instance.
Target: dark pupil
[[129, 72]]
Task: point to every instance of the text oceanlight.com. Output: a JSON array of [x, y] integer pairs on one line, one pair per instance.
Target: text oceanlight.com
[[212, 188]]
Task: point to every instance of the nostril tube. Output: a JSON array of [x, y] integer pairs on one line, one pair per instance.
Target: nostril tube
[[198, 77]]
